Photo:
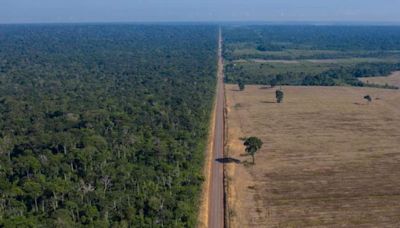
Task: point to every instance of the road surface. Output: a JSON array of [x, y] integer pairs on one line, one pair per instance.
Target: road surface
[[216, 195]]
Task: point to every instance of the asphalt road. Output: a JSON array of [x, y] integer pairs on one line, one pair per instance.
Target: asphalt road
[[216, 195]]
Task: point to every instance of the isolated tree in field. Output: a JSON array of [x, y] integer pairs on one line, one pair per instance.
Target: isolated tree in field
[[368, 98], [279, 96], [241, 85], [252, 144]]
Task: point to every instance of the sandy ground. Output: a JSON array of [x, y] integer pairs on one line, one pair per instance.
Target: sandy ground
[[329, 159], [393, 79]]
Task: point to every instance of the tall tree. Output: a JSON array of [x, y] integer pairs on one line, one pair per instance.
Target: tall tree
[[252, 144], [279, 96], [241, 85]]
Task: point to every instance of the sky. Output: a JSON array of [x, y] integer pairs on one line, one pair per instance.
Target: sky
[[58, 11]]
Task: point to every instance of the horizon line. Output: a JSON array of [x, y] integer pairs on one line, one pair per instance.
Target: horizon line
[[244, 22]]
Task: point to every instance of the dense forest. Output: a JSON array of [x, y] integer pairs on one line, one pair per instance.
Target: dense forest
[[336, 76], [310, 55], [333, 41], [103, 125]]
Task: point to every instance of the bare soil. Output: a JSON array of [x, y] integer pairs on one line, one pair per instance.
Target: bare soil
[[329, 158]]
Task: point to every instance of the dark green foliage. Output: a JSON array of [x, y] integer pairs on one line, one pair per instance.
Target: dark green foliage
[[252, 144], [103, 125], [279, 79], [335, 76], [279, 96], [344, 48], [318, 80], [273, 82], [346, 41], [368, 98], [261, 48]]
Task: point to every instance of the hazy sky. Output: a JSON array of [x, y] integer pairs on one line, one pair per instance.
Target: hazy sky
[[21, 11]]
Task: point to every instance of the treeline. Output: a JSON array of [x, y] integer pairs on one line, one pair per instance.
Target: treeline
[[301, 54], [342, 41], [103, 125], [280, 37], [345, 75], [349, 75]]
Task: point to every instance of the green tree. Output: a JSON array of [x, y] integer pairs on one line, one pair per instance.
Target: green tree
[[279, 96], [252, 144], [34, 190], [89, 139], [368, 98], [241, 85], [62, 218], [6, 145]]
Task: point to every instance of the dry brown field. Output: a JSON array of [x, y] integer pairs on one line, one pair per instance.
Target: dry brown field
[[329, 158], [393, 79]]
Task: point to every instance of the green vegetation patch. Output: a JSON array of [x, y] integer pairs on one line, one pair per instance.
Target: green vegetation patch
[[104, 125], [310, 55]]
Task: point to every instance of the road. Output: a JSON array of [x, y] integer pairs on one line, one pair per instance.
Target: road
[[216, 194]]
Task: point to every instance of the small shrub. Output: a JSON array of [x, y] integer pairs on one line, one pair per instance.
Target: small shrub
[[368, 98], [241, 85], [279, 96]]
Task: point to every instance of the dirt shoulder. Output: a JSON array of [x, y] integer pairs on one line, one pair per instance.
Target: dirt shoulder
[[204, 199]]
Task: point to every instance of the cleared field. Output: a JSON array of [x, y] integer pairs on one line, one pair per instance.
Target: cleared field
[[329, 159], [393, 79]]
